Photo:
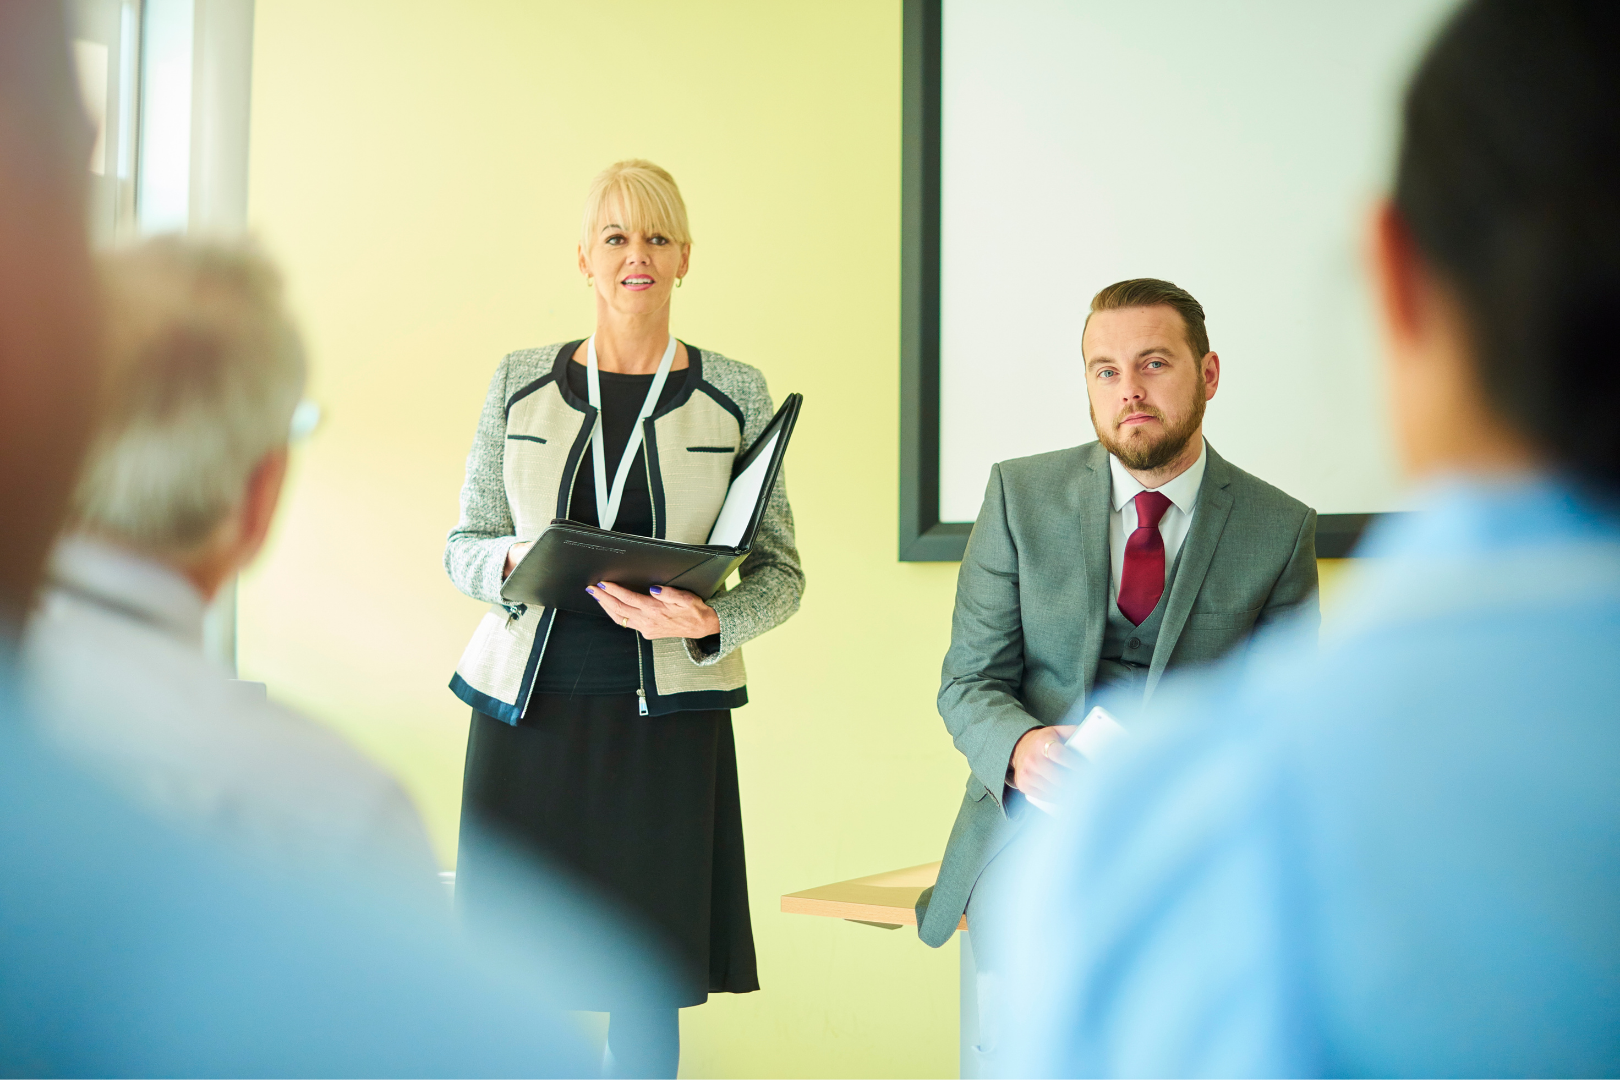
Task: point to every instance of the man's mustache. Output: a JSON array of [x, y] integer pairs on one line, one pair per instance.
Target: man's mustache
[[1138, 410]]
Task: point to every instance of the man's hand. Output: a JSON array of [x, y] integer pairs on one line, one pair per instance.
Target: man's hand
[[1041, 764], [665, 613]]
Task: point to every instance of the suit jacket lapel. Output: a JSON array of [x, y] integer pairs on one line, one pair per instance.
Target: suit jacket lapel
[[1197, 551], [1096, 503]]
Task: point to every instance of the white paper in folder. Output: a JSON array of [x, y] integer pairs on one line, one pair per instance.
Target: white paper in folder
[[738, 509]]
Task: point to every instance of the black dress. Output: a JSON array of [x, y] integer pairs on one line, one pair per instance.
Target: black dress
[[645, 808]]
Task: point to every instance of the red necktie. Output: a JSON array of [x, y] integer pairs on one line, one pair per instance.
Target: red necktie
[[1142, 582]]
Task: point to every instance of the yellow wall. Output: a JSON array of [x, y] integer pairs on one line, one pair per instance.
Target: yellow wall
[[418, 168]]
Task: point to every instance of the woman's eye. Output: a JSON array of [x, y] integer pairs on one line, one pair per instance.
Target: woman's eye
[[659, 240], [614, 241]]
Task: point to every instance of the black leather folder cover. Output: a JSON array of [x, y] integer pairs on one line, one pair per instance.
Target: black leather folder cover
[[567, 556]]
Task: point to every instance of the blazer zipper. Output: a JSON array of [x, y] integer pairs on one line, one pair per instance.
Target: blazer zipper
[[641, 679]]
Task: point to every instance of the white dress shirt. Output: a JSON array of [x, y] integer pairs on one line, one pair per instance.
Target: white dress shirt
[[114, 663], [1183, 495]]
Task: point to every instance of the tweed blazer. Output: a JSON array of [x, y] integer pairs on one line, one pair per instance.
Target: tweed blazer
[[1031, 608], [531, 438]]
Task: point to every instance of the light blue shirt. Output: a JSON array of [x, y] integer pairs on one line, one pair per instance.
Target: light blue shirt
[[1396, 855]]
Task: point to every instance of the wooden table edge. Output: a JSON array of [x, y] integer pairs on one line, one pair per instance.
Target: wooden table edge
[[795, 904]]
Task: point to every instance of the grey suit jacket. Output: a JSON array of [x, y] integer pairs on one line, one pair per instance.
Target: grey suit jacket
[[1031, 600]]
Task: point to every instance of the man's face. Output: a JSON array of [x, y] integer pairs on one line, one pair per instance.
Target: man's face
[[1147, 389]]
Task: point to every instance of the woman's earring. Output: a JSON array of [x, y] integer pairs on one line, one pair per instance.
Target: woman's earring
[[590, 282], [678, 282]]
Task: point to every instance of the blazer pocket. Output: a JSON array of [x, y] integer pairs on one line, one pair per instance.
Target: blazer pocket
[[976, 790], [1222, 620]]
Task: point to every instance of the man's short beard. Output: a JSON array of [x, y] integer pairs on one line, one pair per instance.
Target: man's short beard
[[1146, 456]]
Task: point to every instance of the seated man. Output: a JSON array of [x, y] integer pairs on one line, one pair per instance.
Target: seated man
[[183, 475], [1400, 856], [1101, 567]]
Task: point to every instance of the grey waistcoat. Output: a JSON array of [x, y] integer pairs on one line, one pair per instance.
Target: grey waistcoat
[[1127, 650]]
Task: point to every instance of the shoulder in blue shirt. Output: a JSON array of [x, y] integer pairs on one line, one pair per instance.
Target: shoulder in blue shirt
[[1397, 854]]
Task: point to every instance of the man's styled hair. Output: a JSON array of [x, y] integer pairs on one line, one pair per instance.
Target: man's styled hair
[[648, 198], [1151, 292], [1508, 177], [204, 370]]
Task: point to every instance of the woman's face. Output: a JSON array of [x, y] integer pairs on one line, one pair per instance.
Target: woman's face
[[633, 271]]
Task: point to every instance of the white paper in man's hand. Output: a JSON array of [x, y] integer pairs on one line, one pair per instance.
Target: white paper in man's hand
[[1098, 731], [1090, 740]]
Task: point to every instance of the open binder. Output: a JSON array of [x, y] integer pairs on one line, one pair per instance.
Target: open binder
[[567, 556]]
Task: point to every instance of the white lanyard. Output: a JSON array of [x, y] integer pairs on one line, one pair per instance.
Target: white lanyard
[[607, 502]]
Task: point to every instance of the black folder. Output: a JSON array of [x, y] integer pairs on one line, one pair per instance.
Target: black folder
[[567, 556]]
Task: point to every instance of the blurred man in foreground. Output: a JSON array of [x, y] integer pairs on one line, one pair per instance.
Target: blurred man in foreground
[[1402, 856], [126, 946], [185, 468]]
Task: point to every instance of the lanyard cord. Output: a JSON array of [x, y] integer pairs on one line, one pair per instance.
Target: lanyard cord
[[607, 502]]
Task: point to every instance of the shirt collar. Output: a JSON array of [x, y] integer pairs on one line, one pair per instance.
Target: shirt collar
[[132, 585], [1182, 491]]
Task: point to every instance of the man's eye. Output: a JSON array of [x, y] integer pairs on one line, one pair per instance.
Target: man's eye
[[1106, 373], [1155, 363]]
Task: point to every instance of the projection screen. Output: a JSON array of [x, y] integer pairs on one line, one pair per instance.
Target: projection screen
[[1233, 148]]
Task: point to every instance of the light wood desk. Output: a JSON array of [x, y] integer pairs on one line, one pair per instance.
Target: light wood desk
[[888, 900]]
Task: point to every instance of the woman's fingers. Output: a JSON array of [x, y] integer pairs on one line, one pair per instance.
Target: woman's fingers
[[634, 600], [670, 597], [614, 609], [666, 613]]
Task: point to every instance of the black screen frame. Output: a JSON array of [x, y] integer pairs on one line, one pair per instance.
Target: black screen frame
[[923, 536]]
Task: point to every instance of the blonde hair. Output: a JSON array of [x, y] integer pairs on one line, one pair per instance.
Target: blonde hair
[[647, 197], [204, 370]]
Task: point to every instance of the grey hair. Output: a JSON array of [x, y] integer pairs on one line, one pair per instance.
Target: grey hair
[[204, 369]]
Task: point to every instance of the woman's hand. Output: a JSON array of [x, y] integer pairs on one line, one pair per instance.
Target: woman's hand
[[514, 555], [663, 614]]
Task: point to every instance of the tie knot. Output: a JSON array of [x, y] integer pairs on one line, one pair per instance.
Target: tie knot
[[1150, 507]]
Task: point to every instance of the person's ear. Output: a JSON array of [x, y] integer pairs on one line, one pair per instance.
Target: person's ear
[[686, 260], [1398, 279], [1212, 374], [584, 263], [259, 502]]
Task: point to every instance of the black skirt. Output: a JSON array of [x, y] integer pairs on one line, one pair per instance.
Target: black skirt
[[644, 808]]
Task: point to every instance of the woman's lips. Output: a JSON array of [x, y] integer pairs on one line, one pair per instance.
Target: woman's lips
[[637, 282]]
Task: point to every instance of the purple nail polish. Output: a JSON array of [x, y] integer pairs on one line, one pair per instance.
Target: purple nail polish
[[655, 590], [590, 590]]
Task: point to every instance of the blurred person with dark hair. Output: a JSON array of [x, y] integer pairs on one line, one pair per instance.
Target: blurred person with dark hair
[[205, 369], [1401, 855], [126, 946]]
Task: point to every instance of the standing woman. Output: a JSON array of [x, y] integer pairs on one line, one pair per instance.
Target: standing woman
[[603, 742]]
